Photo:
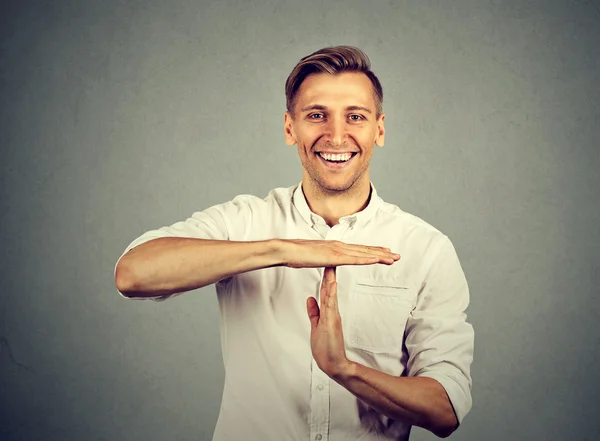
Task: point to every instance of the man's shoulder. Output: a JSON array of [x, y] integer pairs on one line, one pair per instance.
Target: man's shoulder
[[393, 213], [278, 196]]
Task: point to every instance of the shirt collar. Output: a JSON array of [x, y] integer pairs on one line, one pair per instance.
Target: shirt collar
[[299, 201]]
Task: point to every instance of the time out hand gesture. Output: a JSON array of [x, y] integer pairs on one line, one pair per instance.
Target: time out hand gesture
[[326, 337], [331, 253]]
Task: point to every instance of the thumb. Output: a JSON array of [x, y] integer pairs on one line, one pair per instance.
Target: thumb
[[312, 308]]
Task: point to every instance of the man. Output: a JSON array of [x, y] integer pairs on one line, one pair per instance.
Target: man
[[383, 344]]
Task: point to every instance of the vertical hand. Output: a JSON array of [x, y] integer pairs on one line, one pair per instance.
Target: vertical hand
[[327, 339]]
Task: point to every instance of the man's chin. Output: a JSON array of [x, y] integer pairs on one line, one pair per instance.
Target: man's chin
[[335, 187]]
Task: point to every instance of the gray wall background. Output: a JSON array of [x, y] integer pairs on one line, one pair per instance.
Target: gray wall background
[[118, 117]]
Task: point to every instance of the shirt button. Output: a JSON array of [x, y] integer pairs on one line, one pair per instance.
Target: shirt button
[[318, 437], [320, 387]]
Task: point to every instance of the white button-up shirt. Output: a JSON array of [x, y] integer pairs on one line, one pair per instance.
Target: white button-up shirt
[[407, 319]]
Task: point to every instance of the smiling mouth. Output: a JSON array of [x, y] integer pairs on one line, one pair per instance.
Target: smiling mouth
[[337, 158]]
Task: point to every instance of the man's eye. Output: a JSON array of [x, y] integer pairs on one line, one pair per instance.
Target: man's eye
[[356, 117], [315, 116]]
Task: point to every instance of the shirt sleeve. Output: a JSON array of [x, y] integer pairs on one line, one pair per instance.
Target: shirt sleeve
[[439, 340], [228, 221]]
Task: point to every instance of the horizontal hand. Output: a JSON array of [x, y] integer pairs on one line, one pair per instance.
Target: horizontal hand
[[298, 253]]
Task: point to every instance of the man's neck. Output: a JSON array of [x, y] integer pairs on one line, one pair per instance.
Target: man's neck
[[332, 206]]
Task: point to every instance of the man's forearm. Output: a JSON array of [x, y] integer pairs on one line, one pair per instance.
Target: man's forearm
[[169, 265], [418, 401]]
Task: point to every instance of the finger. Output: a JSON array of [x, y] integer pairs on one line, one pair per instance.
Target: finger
[[332, 289], [370, 251], [329, 284], [365, 253], [329, 274], [362, 260], [312, 308], [369, 248], [326, 275], [332, 296], [323, 290], [357, 247], [385, 255]]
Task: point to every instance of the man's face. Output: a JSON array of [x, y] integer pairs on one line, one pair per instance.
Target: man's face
[[335, 127]]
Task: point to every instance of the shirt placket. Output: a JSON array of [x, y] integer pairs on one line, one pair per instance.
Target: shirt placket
[[320, 405]]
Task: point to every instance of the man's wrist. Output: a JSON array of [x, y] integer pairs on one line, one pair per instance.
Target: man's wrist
[[278, 251], [344, 372]]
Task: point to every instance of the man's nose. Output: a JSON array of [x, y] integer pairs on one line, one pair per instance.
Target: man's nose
[[337, 131]]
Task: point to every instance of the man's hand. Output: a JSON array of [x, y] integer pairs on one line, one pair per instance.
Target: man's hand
[[326, 337], [331, 253]]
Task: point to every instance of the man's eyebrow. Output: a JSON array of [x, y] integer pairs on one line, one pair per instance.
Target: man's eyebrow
[[313, 107], [364, 109], [322, 107]]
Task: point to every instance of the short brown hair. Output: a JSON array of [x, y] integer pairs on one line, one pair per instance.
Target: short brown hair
[[332, 60]]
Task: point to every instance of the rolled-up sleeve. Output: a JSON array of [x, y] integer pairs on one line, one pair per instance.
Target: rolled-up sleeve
[[439, 340], [219, 222]]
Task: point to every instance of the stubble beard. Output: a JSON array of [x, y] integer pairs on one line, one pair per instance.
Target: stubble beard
[[320, 179]]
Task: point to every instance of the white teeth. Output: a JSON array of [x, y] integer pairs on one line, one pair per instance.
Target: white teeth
[[336, 157]]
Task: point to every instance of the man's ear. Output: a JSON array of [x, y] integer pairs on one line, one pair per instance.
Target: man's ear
[[288, 129], [380, 135]]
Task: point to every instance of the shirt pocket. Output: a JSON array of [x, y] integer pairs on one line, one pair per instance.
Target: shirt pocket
[[378, 315]]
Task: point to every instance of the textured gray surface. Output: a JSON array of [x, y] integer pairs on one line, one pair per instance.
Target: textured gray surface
[[117, 117]]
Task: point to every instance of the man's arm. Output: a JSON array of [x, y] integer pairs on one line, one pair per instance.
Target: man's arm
[[419, 401], [173, 264], [436, 394]]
